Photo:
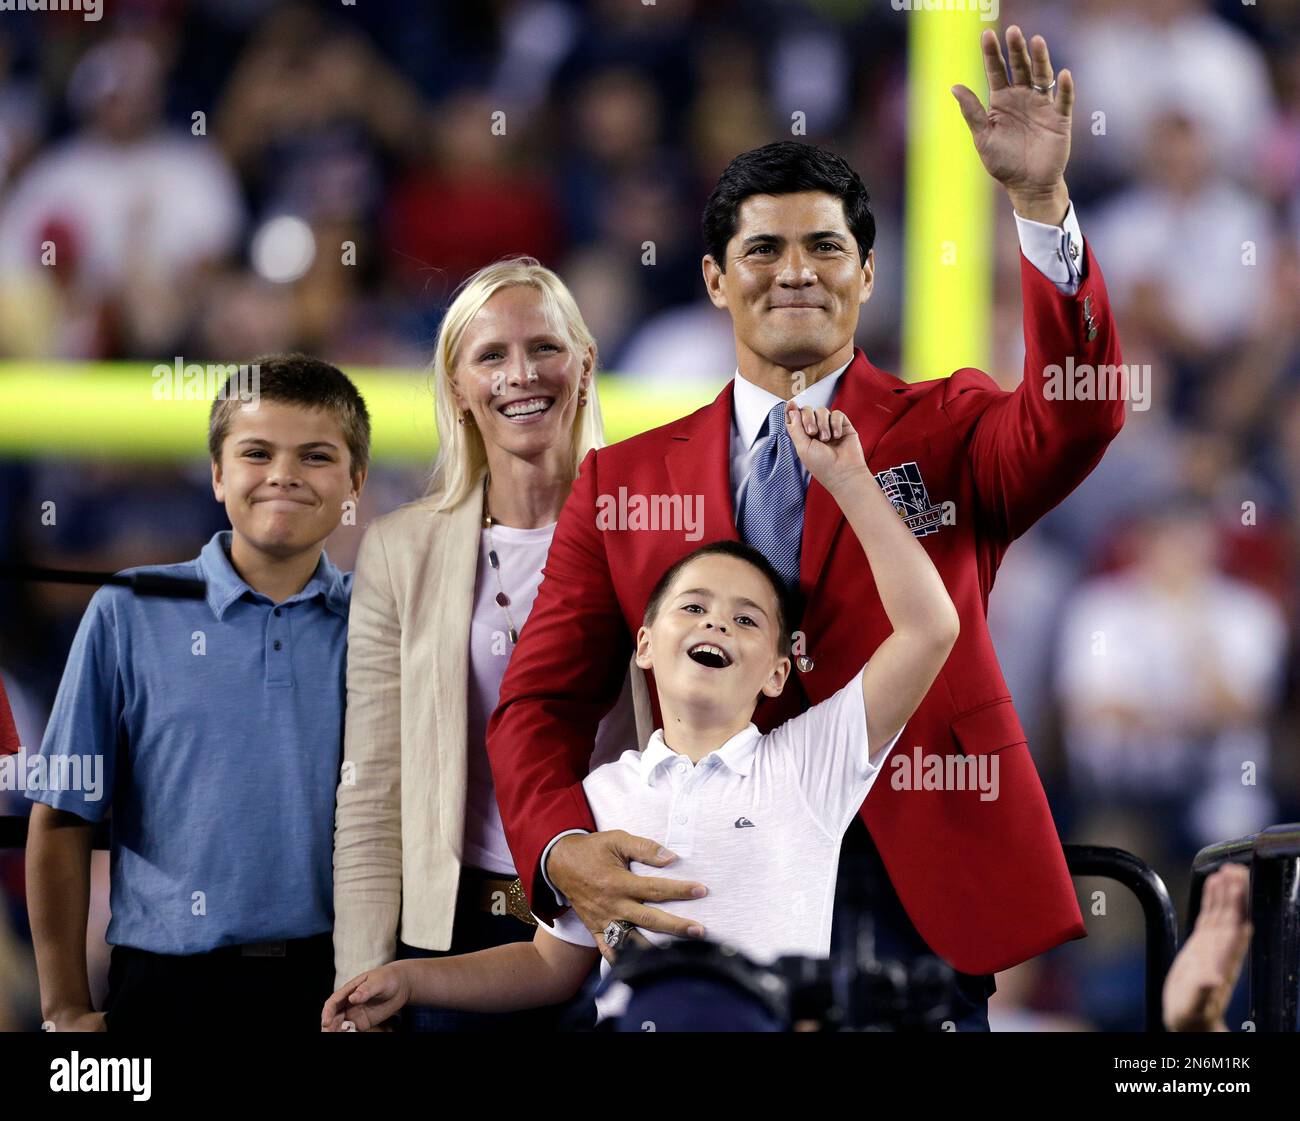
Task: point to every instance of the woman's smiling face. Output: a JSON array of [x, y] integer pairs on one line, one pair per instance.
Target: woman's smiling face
[[517, 375]]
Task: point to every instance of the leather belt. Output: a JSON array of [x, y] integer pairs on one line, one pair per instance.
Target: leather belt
[[284, 948]]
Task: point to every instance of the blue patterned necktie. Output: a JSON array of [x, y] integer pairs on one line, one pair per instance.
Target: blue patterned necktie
[[772, 520]]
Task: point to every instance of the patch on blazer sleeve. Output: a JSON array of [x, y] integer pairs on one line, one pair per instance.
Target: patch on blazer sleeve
[[906, 491]]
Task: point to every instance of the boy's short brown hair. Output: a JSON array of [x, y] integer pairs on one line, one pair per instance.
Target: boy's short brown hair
[[296, 379]]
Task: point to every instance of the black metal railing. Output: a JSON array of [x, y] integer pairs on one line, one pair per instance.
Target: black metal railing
[[1273, 856], [1158, 914]]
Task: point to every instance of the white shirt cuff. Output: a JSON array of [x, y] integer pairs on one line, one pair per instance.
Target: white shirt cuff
[[546, 852], [1055, 251]]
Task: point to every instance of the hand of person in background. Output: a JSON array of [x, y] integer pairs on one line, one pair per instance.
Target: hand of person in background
[[1205, 972], [1023, 139]]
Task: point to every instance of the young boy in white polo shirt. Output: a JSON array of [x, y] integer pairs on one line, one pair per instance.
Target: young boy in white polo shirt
[[758, 817]]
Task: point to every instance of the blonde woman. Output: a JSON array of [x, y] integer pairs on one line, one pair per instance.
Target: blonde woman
[[443, 587]]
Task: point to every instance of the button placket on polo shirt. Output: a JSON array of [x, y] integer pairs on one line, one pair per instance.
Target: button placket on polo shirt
[[279, 669], [685, 781]]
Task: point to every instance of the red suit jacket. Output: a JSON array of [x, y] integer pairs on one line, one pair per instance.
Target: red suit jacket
[[984, 881], [8, 733]]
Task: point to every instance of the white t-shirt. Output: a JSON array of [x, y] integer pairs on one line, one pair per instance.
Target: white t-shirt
[[759, 822], [522, 554], [1124, 644]]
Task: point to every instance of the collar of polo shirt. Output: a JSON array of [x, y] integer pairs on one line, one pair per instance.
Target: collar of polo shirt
[[225, 585], [737, 753]]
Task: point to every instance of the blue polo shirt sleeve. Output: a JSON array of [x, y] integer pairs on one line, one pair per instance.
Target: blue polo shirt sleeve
[[831, 758], [80, 747]]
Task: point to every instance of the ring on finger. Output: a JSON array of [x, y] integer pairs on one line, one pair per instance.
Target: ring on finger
[[616, 932]]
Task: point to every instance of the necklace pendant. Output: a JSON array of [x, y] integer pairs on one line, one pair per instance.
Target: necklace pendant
[[514, 637], [503, 600], [493, 560]]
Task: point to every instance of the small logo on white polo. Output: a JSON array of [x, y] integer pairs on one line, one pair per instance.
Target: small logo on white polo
[[744, 823]]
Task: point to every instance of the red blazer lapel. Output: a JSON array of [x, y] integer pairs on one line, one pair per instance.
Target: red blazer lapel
[[871, 399], [699, 462]]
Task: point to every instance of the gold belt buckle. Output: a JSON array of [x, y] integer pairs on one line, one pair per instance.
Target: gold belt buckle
[[517, 902]]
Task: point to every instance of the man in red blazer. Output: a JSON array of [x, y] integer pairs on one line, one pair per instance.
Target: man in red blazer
[[981, 880]]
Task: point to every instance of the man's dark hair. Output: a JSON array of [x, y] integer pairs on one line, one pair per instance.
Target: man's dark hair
[[785, 604], [785, 168], [297, 379]]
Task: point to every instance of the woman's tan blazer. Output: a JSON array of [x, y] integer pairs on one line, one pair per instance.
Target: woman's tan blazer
[[401, 799]]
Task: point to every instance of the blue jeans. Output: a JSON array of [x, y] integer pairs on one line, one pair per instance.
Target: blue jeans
[[476, 929]]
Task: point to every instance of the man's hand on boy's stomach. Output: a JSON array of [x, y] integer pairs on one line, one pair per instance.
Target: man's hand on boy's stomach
[[591, 870]]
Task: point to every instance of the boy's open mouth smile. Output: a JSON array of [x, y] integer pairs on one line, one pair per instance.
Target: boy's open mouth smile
[[707, 654]]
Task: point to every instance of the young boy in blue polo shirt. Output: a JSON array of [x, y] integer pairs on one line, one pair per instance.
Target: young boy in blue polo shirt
[[216, 725], [759, 818]]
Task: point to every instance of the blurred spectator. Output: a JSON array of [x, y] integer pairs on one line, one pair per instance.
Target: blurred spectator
[[1133, 62], [242, 316], [21, 116], [692, 343], [309, 117], [1138, 470], [1012, 1007], [536, 36], [1280, 171], [729, 111], [1187, 254], [112, 269], [468, 202], [1287, 443], [1024, 615], [1167, 675], [615, 130], [608, 285], [1267, 364]]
